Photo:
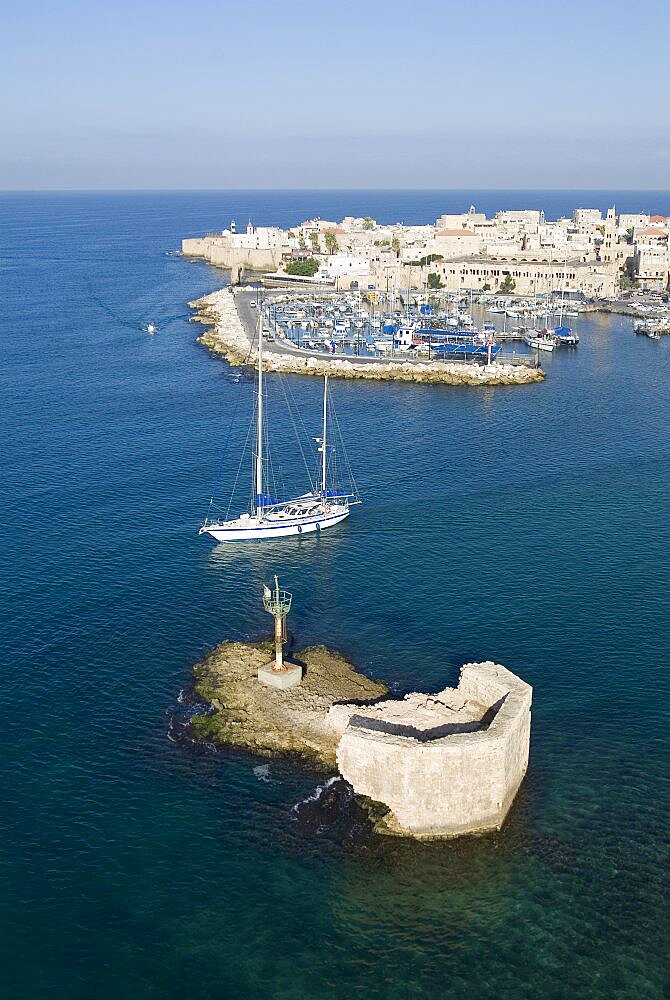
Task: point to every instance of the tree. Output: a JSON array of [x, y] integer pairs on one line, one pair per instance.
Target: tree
[[434, 280], [508, 284], [368, 223], [303, 268], [331, 242], [314, 240], [629, 235], [486, 287], [395, 244]]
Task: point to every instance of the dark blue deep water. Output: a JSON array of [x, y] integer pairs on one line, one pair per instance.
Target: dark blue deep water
[[527, 525]]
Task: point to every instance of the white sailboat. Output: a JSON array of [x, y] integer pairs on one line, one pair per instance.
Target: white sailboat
[[270, 518]]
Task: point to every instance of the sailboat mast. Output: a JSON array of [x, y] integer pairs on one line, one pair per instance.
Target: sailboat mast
[[259, 429], [565, 268], [323, 438]]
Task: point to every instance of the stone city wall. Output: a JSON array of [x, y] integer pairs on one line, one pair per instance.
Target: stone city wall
[[217, 251]]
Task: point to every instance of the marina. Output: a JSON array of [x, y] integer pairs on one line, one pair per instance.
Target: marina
[[403, 354]]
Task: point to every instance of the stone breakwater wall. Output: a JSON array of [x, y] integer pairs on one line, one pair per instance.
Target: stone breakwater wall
[[444, 764], [228, 338]]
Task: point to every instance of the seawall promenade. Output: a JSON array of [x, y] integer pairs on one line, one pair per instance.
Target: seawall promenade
[[232, 335]]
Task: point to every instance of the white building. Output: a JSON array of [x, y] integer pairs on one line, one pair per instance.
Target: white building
[[584, 218]]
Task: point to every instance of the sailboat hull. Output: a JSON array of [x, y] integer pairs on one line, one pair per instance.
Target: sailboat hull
[[253, 529]]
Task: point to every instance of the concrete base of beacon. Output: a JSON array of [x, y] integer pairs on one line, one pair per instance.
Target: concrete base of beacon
[[288, 678]]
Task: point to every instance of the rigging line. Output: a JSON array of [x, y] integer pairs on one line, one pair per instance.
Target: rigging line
[[302, 452], [219, 471], [239, 469], [339, 438], [275, 480], [287, 389]]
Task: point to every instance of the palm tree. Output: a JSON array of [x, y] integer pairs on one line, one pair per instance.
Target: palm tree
[[331, 242]]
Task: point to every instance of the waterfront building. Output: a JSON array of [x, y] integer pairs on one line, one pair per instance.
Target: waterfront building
[[472, 251], [465, 220], [455, 242], [344, 268], [256, 248], [529, 275], [652, 258]]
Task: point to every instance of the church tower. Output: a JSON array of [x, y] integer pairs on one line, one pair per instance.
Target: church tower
[[608, 252]]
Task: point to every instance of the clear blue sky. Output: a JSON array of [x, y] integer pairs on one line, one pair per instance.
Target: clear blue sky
[[337, 93]]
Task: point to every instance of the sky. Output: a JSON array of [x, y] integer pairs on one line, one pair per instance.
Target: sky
[[334, 94]]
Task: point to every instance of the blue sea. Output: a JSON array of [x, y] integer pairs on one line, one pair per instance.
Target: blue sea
[[525, 525]]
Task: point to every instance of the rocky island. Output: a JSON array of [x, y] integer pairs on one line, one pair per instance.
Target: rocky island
[[429, 765], [271, 721]]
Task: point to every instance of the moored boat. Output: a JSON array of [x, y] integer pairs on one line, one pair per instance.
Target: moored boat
[[540, 340], [565, 337]]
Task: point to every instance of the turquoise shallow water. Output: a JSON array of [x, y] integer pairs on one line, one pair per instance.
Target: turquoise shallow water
[[525, 525]]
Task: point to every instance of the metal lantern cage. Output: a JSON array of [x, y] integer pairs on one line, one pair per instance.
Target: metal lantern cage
[[277, 602]]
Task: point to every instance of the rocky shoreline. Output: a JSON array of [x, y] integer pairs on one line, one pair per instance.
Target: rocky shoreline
[[265, 721], [228, 338]]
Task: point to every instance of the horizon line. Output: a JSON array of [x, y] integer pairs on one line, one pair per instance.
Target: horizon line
[[372, 190]]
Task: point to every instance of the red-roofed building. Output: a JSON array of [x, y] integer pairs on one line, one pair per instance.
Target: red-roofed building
[[651, 233]]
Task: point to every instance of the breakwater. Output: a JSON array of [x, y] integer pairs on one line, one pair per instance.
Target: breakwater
[[229, 337], [434, 765]]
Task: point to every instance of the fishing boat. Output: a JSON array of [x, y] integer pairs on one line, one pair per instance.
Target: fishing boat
[[269, 518]]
